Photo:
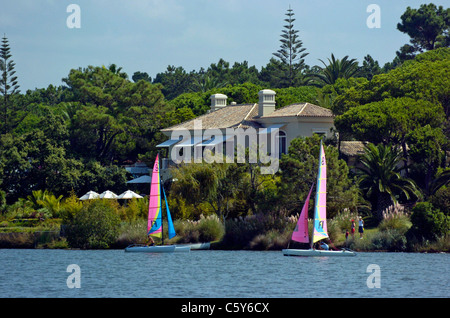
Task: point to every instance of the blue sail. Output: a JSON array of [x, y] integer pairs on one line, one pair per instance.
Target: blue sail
[[171, 229]]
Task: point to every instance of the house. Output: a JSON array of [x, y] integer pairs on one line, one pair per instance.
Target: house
[[229, 126]]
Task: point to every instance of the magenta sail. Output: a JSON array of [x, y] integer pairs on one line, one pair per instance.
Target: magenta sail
[[154, 226], [300, 233]]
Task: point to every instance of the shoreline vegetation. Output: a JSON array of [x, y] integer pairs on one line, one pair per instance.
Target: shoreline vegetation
[[260, 232]]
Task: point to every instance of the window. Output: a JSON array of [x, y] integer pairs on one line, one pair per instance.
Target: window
[[282, 143]]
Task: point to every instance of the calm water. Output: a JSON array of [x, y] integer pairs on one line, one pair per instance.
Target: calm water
[[220, 274]]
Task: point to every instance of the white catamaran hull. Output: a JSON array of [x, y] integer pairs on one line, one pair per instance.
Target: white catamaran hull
[[196, 246], [311, 252], [157, 249]]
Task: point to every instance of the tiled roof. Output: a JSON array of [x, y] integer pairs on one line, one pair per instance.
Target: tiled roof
[[232, 116], [352, 148], [301, 110], [246, 115]]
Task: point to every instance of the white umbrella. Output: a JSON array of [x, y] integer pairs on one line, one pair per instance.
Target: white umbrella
[[90, 195], [108, 195], [129, 195]]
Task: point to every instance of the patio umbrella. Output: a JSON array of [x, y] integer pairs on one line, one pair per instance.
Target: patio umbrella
[[108, 195], [90, 195], [143, 179], [129, 195]]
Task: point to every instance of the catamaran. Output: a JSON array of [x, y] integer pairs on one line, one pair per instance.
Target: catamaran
[[300, 233], [154, 223]]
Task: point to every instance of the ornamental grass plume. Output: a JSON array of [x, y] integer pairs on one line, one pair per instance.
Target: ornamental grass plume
[[395, 218]]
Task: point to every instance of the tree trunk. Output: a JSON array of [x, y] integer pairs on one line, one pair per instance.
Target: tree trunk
[[384, 201]]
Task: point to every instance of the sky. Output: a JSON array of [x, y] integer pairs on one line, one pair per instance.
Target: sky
[[149, 35]]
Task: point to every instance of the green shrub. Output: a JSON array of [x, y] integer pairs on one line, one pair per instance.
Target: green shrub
[[429, 223], [391, 240], [96, 225], [133, 232], [240, 232], [344, 219], [206, 229], [441, 199], [210, 229], [20, 209], [136, 208], [71, 206], [272, 240]]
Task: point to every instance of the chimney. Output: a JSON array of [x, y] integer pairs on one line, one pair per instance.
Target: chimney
[[218, 101], [266, 103]]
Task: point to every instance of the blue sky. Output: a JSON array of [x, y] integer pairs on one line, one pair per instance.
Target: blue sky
[[149, 35]]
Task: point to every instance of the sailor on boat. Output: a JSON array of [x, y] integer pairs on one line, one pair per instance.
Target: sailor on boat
[[324, 246], [150, 241]]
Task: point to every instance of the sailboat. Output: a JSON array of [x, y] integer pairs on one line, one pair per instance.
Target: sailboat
[[155, 224], [300, 233]]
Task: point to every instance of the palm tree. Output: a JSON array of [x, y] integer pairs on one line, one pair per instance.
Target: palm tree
[[336, 68], [441, 179], [380, 178], [206, 83]]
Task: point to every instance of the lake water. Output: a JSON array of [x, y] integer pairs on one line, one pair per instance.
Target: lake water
[[220, 274]]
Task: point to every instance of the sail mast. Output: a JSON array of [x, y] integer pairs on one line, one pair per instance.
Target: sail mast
[[161, 185]]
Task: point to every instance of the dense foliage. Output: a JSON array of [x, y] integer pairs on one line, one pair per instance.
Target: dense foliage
[[76, 137], [96, 225]]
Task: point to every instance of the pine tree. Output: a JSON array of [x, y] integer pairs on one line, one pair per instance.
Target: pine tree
[[291, 52], [8, 82]]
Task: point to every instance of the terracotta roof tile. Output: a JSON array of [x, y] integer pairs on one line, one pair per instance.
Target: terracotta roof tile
[[230, 116], [352, 148], [246, 115], [301, 110]]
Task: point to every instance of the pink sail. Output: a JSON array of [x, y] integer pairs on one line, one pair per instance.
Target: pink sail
[[300, 233], [154, 226], [320, 210]]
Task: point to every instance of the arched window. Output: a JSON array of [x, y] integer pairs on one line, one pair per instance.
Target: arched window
[[282, 143]]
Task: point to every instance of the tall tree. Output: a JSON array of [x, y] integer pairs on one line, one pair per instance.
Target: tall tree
[[8, 82], [175, 81], [427, 26], [137, 76], [369, 68], [118, 117], [291, 52]]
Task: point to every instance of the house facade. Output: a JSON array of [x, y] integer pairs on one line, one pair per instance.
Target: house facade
[[227, 127]]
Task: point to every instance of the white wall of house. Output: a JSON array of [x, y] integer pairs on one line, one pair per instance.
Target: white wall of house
[[302, 126]]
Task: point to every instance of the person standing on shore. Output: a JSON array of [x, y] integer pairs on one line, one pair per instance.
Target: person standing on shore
[[352, 231], [361, 227]]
